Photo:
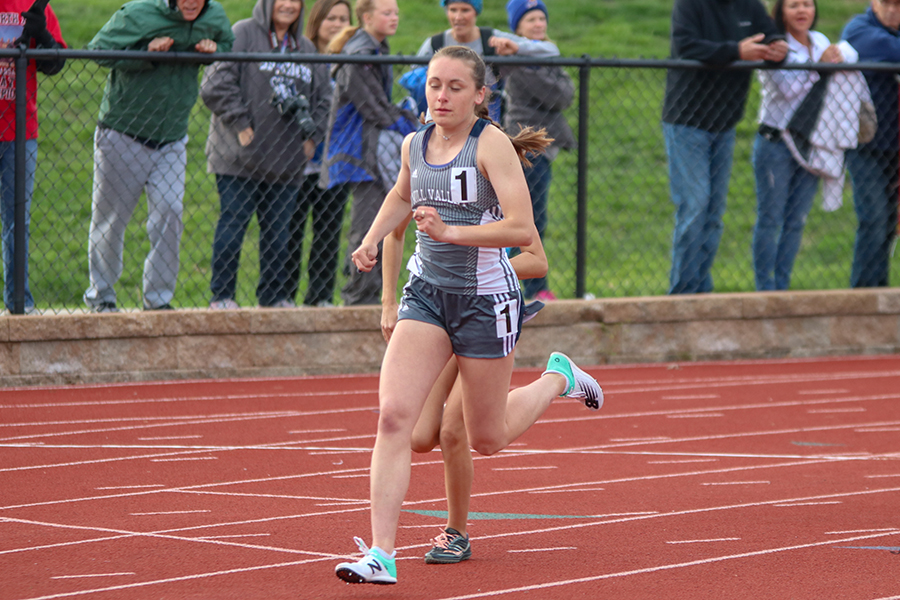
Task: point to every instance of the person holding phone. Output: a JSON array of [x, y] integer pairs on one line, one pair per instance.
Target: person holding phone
[[700, 111], [785, 189]]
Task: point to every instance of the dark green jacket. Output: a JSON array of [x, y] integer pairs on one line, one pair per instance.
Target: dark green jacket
[[147, 99]]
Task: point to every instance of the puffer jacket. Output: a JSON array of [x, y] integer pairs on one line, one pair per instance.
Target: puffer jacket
[[360, 109]]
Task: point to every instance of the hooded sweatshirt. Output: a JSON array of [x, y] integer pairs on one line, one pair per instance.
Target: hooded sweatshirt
[[239, 94], [361, 109], [152, 100]]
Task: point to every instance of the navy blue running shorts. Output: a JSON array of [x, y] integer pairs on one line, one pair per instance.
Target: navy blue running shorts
[[478, 326]]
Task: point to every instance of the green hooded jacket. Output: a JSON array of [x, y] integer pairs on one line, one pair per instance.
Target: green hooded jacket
[[151, 100]]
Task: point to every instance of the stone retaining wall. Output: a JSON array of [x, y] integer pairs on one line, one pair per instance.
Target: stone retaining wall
[[51, 349]]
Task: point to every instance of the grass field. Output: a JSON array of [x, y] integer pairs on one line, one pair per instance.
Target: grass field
[[630, 215]]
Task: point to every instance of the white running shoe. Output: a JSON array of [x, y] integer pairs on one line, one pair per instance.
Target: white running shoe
[[581, 385], [373, 567]]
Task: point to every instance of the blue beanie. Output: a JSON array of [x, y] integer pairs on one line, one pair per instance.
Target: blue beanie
[[476, 4], [516, 9]]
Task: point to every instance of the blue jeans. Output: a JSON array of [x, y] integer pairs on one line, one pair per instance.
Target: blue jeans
[[538, 178], [699, 170], [875, 179], [274, 204], [784, 196], [8, 214]]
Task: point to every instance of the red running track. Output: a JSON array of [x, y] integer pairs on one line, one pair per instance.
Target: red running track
[[762, 479]]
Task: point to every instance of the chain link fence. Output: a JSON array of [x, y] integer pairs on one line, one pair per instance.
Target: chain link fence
[[610, 216]]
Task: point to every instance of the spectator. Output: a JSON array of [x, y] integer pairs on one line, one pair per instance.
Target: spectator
[[36, 27], [326, 19], [536, 97], [784, 188], [873, 166], [360, 110], [700, 111], [141, 137], [267, 118], [486, 41]]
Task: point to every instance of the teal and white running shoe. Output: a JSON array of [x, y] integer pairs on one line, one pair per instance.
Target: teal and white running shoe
[[581, 385], [374, 567]]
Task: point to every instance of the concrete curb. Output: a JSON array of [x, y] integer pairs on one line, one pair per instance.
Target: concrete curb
[[140, 346]]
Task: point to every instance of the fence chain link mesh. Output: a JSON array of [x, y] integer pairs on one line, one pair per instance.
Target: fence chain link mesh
[[629, 214]]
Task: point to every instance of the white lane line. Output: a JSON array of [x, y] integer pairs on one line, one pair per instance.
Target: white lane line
[[827, 411], [696, 416], [544, 468], [811, 392], [882, 476], [169, 437], [298, 431], [875, 429], [184, 458], [693, 397], [734, 483], [168, 512], [211, 574], [236, 535], [807, 504], [543, 549], [734, 407], [640, 439], [260, 495], [193, 450], [131, 487], [203, 399], [566, 491], [682, 462], [887, 529], [668, 567], [91, 575], [729, 539]]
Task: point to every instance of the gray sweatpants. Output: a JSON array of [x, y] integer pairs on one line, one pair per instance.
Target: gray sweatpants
[[123, 168], [363, 288]]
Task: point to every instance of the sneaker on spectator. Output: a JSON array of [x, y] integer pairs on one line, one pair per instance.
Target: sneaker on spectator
[[450, 548], [374, 567], [281, 304], [104, 307], [165, 306], [226, 304], [581, 386], [545, 296]]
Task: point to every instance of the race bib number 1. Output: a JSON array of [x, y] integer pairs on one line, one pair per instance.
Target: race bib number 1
[[507, 318], [462, 185]]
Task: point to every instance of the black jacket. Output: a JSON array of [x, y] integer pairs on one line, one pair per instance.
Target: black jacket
[[709, 31]]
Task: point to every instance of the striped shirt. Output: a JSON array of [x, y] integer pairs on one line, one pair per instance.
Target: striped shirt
[[462, 197]]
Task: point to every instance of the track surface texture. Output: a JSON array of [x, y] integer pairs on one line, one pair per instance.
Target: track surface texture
[[751, 479]]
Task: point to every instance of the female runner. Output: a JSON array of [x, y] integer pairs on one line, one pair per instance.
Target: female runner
[[462, 180]]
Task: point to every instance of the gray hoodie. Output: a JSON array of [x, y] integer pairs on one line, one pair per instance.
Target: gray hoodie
[[239, 95]]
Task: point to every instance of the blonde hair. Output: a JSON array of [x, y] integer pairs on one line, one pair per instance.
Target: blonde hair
[[317, 15], [362, 8], [528, 140]]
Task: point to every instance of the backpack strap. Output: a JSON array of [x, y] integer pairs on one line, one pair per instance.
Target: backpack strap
[[486, 34], [437, 41]]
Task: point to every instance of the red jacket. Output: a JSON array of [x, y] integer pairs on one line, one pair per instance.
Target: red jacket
[[11, 23]]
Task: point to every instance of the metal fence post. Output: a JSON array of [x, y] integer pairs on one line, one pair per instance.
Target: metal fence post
[[19, 256], [584, 76]]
